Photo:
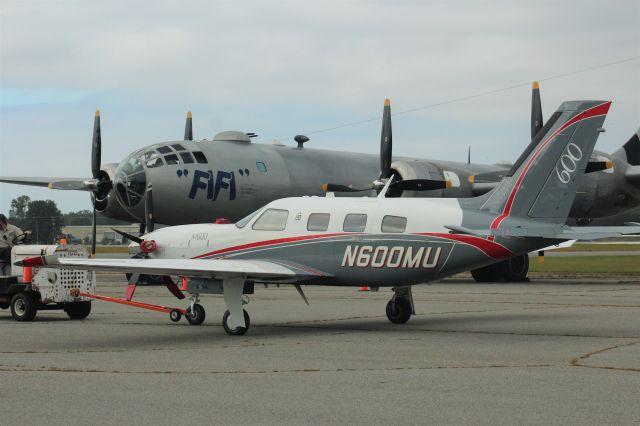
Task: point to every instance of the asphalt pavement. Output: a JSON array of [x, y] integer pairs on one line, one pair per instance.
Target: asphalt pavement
[[546, 352]]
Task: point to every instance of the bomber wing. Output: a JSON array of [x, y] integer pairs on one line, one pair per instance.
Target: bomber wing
[[210, 268], [77, 184]]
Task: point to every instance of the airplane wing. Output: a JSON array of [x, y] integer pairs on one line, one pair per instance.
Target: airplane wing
[[78, 184], [210, 268]]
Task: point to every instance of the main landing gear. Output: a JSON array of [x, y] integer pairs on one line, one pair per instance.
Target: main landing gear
[[512, 270], [400, 307]]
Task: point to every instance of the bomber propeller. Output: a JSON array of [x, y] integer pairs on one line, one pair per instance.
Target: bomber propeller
[[386, 173]]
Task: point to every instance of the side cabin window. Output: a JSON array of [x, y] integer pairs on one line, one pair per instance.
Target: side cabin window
[[395, 224], [318, 222], [354, 222], [271, 220]]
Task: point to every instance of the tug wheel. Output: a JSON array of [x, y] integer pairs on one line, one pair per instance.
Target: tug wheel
[[78, 310], [238, 331], [398, 310], [24, 307], [197, 317], [175, 315]]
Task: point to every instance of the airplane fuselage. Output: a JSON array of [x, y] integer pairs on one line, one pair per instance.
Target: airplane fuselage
[[404, 241]]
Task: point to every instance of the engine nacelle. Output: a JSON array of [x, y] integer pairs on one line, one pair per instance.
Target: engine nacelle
[[105, 201]]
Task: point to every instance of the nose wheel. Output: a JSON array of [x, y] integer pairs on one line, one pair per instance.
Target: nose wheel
[[400, 307], [195, 314], [237, 331]]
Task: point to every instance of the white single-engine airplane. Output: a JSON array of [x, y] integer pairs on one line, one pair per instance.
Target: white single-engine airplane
[[392, 242]]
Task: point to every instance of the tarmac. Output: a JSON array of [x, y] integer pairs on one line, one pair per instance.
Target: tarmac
[[552, 351]]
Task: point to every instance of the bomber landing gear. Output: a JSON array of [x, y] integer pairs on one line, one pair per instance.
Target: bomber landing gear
[[510, 270], [400, 307]]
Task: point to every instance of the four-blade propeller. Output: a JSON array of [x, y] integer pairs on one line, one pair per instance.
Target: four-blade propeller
[[386, 172]]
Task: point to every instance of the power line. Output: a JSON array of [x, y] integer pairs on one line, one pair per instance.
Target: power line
[[477, 95]]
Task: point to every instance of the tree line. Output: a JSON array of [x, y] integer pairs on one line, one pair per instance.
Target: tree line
[[45, 220]]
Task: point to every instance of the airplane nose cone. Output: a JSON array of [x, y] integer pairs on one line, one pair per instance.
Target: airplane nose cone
[[130, 182]]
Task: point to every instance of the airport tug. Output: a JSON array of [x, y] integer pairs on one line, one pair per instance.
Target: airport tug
[[26, 290]]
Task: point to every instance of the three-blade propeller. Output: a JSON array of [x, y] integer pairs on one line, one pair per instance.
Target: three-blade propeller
[[386, 172]]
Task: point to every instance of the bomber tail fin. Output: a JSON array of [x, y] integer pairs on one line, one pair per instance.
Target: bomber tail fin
[[542, 184]]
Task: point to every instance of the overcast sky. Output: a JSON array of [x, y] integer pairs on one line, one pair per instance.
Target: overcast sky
[[280, 68]]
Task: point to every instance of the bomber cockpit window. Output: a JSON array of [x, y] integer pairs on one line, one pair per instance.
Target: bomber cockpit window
[[271, 220], [177, 147], [318, 222], [395, 224], [354, 223], [154, 162], [200, 158], [261, 167], [186, 157], [164, 149], [171, 159]]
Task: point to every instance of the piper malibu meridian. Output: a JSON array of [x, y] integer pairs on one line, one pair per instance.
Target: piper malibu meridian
[[380, 242]]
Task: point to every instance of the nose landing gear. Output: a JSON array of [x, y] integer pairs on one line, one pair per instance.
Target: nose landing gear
[[400, 307]]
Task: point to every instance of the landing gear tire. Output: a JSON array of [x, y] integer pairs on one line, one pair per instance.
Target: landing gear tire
[[175, 315], [24, 307], [398, 310], [239, 331], [510, 270], [484, 274], [78, 310], [197, 316], [514, 269]]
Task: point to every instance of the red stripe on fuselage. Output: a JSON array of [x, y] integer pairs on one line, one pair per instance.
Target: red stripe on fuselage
[[270, 242], [595, 111], [490, 248]]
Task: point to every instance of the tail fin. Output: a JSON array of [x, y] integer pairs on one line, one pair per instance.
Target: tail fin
[[542, 184]]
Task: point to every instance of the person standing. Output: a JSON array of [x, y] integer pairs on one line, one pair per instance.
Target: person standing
[[8, 236]]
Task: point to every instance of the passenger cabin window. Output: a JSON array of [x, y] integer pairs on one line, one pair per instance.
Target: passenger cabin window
[[271, 220], [163, 149], [261, 167], [200, 158], [171, 159], [186, 157], [396, 224], [318, 222], [354, 223], [177, 147]]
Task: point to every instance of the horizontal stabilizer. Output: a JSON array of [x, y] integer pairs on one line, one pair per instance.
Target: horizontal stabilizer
[[553, 232], [75, 184]]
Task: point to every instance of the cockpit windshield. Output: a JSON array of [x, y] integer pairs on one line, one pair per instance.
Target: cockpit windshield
[[243, 222], [130, 180]]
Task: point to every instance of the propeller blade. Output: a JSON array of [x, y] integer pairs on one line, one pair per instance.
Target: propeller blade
[[148, 209], [420, 185], [74, 185], [96, 147], [333, 187], [129, 236], [93, 234], [188, 128], [597, 166], [386, 140], [536, 110]]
